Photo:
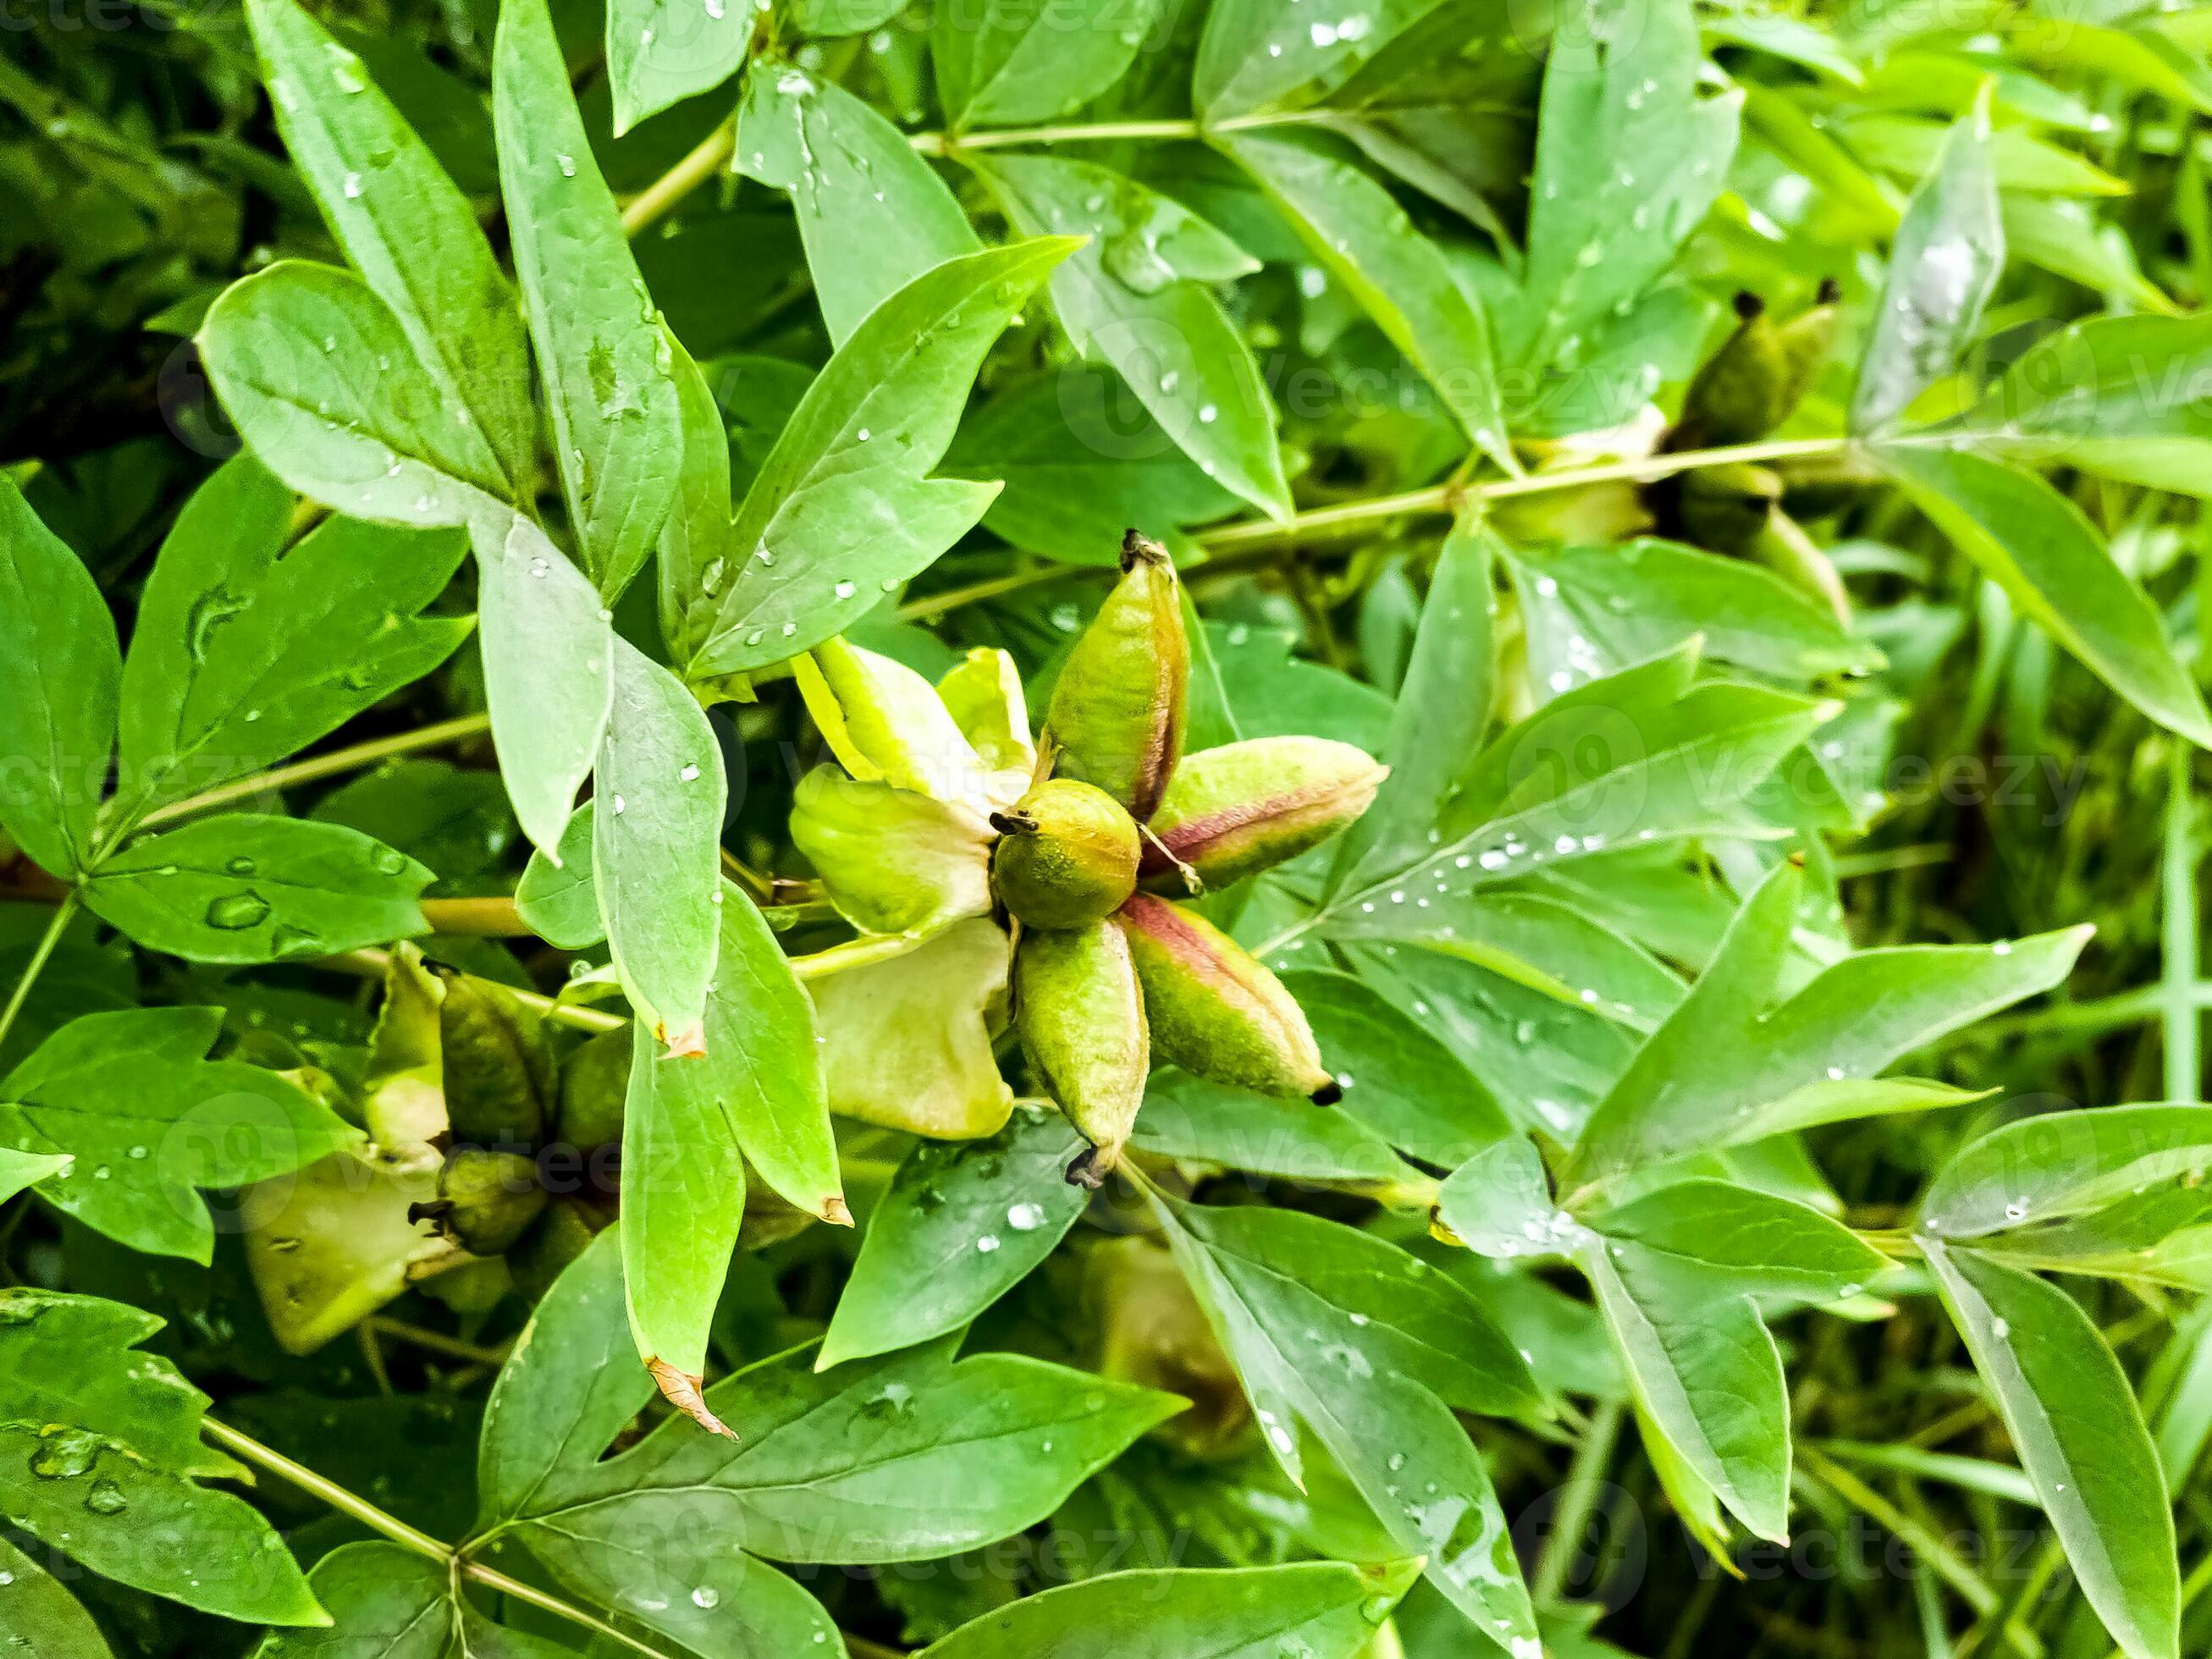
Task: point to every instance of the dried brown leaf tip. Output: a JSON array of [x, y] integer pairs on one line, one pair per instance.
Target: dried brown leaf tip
[[682, 1390]]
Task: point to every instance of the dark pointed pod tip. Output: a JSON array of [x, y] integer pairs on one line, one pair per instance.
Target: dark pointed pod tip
[[1138, 548], [1088, 1169], [1329, 1094], [1747, 305], [1014, 823], [1829, 292]]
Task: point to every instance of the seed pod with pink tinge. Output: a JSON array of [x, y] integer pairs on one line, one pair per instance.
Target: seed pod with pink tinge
[[1233, 811], [1117, 708], [1081, 1014], [1215, 1010]]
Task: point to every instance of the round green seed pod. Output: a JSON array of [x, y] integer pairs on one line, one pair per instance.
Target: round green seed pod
[[486, 1199], [1066, 855]]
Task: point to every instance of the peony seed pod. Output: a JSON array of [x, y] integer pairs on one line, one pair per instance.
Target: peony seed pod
[[1806, 340], [1066, 855], [1739, 395], [1233, 811], [1081, 1016], [499, 1073], [1216, 1011], [486, 1199], [1117, 710], [594, 1082]]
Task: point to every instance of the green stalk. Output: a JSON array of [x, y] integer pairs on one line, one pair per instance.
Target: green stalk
[[2178, 934], [1577, 1498], [37, 965]]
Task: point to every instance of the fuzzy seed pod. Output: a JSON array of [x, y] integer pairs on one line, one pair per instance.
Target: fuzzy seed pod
[[1757, 378], [1216, 1011], [1066, 855], [1117, 710], [1082, 1020], [1232, 811], [486, 1199], [594, 1082], [499, 1073]]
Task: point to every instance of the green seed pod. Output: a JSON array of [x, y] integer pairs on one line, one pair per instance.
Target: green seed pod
[[1234, 811], [486, 1199], [1066, 855], [1117, 710], [1806, 340], [1216, 1012], [498, 1072], [562, 1234], [1081, 1021], [1739, 395], [1726, 508], [594, 1081]]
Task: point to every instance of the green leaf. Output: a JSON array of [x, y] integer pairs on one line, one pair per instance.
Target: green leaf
[[844, 510], [1913, 146], [1629, 156], [248, 887], [1005, 63], [1630, 757], [2062, 1163], [147, 1119], [1442, 714], [763, 1068], [1765, 1064], [325, 386], [1186, 1118], [684, 1198], [1254, 54], [21, 1169], [240, 657], [1498, 1203], [1739, 1238], [1079, 465], [1360, 235], [900, 1459], [1706, 1374], [2117, 396], [388, 1602], [549, 672], [600, 353], [2050, 562], [1320, 1610], [1372, 1350], [961, 1225], [1136, 296], [1631, 602], [1943, 263], [657, 846], [403, 226], [103, 1463], [59, 669], [35, 1609], [561, 901], [661, 51], [1399, 1079], [873, 215], [843, 17], [2080, 1437]]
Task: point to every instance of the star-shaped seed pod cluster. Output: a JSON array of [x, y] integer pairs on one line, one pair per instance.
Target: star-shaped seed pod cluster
[[1046, 875]]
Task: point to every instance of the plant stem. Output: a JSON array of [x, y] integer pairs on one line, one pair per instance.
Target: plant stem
[[351, 758], [37, 965], [492, 917], [1577, 1498], [1074, 132], [391, 1527], [707, 158], [2177, 928]]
